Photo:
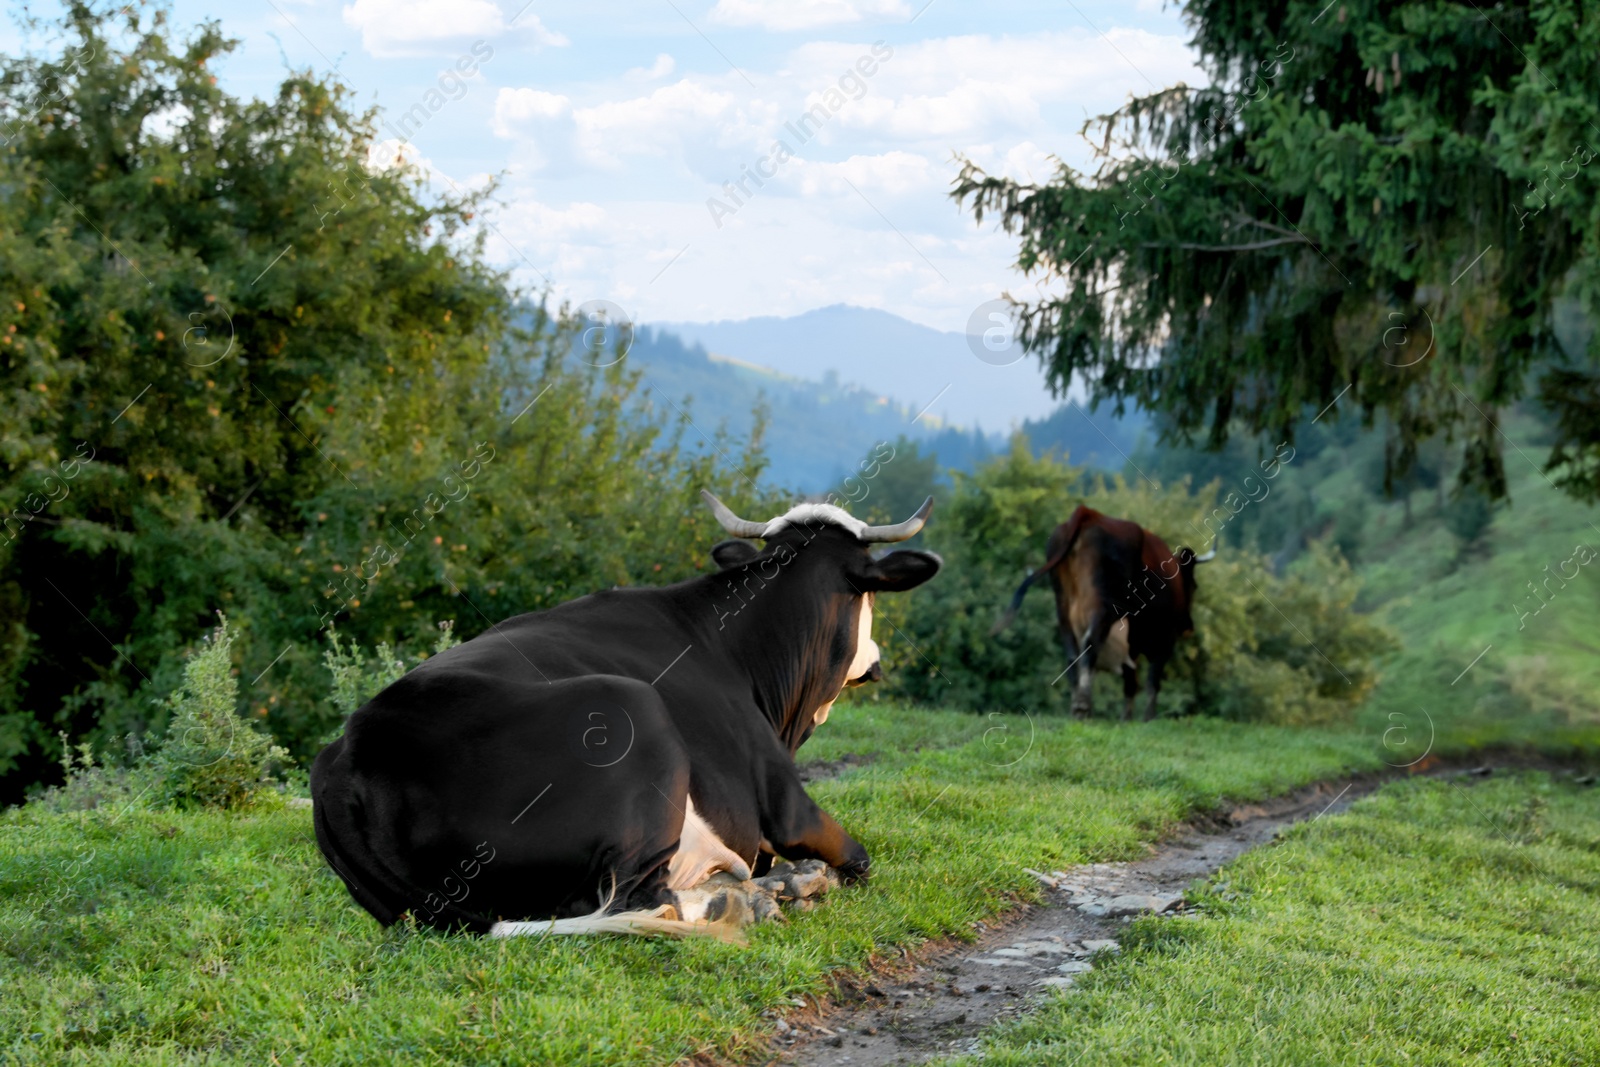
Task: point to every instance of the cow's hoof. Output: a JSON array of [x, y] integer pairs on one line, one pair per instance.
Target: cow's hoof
[[765, 907], [811, 879], [799, 881], [855, 873], [731, 907]]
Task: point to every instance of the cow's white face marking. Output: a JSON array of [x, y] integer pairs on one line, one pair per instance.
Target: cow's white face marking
[[866, 647], [866, 655], [811, 514], [701, 854]]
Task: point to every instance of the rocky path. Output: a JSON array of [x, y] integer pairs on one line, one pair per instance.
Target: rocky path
[[936, 1001]]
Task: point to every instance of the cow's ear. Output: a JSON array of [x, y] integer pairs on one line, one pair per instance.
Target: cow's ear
[[728, 554], [899, 571]]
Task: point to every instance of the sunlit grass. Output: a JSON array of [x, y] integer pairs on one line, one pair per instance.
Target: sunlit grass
[[1429, 925], [155, 937]]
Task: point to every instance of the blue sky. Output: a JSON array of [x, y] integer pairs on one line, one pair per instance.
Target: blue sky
[[612, 125]]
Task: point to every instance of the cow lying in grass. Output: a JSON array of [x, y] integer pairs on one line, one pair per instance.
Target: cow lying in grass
[[594, 762]]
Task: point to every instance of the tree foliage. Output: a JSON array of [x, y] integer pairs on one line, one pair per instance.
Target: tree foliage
[[1379, 205], [248, 363]]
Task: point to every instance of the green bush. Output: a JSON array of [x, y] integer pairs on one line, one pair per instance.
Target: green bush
[[211, 757], [1287, 649], [91, 780], [356, 679], [1273, 648]]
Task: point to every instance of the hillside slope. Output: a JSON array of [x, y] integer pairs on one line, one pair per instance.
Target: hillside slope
[[1497, 611]]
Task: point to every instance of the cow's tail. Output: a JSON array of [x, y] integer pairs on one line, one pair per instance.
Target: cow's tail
[[1060, 544], [1016, 600], [658, 923]]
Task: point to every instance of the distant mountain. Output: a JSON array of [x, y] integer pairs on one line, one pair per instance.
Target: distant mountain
[[887, 356], [821, 424], [817, 430]]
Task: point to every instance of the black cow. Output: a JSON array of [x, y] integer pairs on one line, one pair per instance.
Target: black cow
[[1121, 593], [611, 751]]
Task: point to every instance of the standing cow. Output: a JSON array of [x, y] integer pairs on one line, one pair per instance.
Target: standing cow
[[611, 751], [1121, 593]]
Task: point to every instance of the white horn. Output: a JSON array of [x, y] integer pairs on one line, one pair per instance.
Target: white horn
[[732, 523], [1209, 556], [900, 531]]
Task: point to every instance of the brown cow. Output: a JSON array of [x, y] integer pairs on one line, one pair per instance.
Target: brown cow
[[1121, 593]]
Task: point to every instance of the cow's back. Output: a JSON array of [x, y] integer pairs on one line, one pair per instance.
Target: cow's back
[[1101, 556]]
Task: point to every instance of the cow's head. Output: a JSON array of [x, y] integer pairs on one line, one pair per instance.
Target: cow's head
[[1187, 561], [816, 573]]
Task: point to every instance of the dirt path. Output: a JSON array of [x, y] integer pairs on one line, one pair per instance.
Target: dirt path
[[938, 999]]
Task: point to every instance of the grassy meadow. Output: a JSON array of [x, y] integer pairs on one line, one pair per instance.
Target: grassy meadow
[[141, 936], [1432, 923]]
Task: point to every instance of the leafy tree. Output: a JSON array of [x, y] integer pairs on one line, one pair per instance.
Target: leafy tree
[[990, 528], [1378, 205], [246, 363]]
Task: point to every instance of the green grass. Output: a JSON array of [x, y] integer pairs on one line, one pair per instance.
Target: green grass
[[161, 937], [1431, 924]]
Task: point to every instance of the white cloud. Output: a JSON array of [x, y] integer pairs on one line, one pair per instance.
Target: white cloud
[[540, 122], [933, 97], [703, 126], [627, 169], [663, 66], [894, 173], [658, 123], [392, 28], [768, 260], [516, 107], [785, 15], [1023, 162], [954, 91]]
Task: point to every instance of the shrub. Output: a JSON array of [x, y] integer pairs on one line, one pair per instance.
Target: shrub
[[90, 780], [210, 756], [357, 680], [1287, 649]]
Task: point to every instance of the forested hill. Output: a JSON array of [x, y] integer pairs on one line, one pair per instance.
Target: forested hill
[[892, 356], [818, 429]]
